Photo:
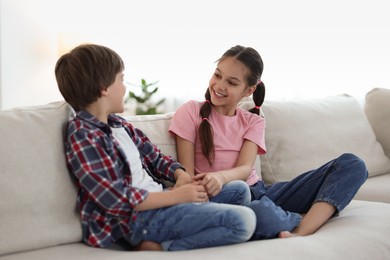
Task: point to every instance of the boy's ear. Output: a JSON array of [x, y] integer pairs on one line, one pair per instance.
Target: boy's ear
[[104, 92]]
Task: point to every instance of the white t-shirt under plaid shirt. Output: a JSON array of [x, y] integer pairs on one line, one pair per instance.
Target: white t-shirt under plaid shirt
[[141, 179]]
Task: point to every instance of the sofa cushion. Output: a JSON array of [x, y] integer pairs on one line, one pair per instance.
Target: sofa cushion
[[377, 109], [351, 235], [375, 189], [302, 135], [38, 199]]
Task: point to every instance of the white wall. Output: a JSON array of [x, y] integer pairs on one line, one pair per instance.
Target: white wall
[[0, 52], [310, 48]]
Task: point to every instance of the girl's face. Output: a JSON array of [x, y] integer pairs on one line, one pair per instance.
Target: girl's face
[[228, 85], [117, 92]]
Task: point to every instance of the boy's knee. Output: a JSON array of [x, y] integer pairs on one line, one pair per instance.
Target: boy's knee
[[248, 218]]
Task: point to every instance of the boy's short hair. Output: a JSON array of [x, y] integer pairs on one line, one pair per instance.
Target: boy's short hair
[[85, 71]]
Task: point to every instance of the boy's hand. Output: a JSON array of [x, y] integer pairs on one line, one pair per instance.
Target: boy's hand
[[212, 182], [192, 192], [181, 178]]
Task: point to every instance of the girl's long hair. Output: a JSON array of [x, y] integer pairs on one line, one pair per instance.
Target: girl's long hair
[[252, 60]]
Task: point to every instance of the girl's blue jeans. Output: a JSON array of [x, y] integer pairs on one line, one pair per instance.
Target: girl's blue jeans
[[198, 225], [278, 206], [270, 208]]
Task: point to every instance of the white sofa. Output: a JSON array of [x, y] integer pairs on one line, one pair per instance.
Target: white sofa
[[38, 217]]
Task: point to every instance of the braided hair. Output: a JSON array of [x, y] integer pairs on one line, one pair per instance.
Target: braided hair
[[252, 60]]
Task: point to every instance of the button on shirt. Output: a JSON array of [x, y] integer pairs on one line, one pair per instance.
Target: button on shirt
[[106, 197]]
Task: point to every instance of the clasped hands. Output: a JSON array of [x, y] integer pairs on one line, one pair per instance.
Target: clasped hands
[[201, 186]]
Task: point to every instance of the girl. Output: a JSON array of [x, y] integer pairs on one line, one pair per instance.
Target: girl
[[217, 142]]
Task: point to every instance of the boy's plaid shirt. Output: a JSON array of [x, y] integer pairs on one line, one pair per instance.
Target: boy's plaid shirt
[[97, 163]]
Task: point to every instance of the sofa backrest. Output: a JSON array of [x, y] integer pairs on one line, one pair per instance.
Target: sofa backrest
[[300, 135], [377, 109], [305, 134], [156, 128], [38, 198]]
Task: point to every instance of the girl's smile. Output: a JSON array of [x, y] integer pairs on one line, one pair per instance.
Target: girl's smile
[[219, 94], [228, 86]]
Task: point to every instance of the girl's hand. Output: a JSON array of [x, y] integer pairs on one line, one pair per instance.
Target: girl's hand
[[212, 182], [192, 192]]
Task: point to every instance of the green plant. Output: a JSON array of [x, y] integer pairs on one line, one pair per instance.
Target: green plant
[[145, 104]]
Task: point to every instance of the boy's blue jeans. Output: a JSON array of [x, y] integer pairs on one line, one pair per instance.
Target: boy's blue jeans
[[277, 206], [198, 225]]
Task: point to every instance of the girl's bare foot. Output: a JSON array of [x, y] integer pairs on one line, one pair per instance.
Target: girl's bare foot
[[149, 246]]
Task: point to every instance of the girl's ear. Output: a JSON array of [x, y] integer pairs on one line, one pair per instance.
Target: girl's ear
[[249, 91]]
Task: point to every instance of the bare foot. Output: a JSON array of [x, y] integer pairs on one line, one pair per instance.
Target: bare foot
[[286, 234], [149, 246]]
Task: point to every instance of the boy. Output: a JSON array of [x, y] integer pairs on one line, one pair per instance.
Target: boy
[[118, 170]]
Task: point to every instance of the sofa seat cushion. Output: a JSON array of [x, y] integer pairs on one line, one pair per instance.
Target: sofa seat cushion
[[360, 232], [375, 189], [305, 134], [38, 198]]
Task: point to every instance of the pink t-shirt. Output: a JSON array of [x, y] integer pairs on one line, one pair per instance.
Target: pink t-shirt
[[229, 135]]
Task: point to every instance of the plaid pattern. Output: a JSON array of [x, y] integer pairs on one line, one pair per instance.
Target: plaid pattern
[[98, 164]]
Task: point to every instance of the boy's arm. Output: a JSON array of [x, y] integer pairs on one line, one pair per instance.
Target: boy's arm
[[99, 177], [160, 165], [182, 177], [192, 192]]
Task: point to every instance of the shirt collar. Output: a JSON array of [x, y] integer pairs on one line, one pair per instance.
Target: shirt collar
[[113, 120]]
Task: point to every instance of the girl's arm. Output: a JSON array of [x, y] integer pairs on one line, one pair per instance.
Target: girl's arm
[[186, 154], [244, 165], [213, 181]]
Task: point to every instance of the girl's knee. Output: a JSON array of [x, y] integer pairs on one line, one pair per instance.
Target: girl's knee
[[234, 192], [242, 191], [358, 167], [238, 185], [349, 158]]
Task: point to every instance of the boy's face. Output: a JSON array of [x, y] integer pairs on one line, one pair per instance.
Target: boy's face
[[116, 94]]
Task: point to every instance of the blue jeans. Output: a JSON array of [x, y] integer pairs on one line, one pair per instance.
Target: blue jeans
[[193, 225], [277, 206], [235, 192]]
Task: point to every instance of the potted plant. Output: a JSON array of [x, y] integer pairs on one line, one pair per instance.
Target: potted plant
[[144, 103]]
